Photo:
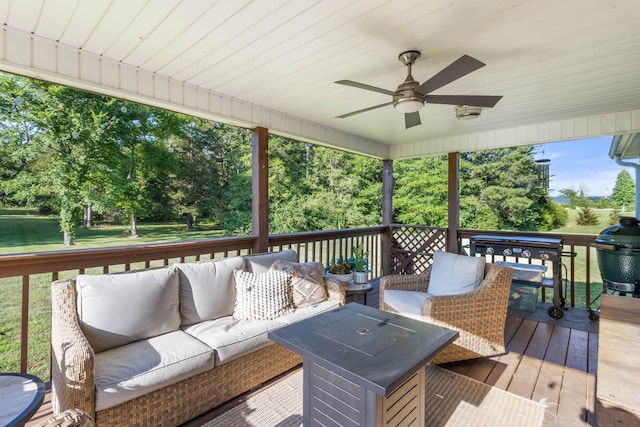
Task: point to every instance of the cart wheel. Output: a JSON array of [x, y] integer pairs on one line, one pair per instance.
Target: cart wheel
[[593, 316], [555, 312]]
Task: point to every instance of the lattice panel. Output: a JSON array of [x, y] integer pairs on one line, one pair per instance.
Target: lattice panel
[[413, 247]]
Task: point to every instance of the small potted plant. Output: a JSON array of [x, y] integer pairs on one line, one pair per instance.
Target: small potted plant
[[340, 270], [360, 264]]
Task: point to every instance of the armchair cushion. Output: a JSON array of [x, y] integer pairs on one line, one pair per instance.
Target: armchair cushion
[[409, 303], [453, 274]]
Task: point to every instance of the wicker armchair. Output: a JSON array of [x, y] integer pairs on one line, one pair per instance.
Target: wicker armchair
[[479, 315]]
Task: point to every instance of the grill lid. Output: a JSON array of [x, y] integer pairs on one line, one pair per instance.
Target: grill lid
[[623, 235]]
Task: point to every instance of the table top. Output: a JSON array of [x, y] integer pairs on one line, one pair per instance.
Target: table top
[[358, 288], [20, 397], [374, 349]]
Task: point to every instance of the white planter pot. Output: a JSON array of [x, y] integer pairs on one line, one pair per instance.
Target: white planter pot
[[360, 276], [344, 278]]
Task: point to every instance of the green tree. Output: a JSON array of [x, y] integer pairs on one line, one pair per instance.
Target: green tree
[[420, 191], [624, 190], [587, 216], [500, 190]]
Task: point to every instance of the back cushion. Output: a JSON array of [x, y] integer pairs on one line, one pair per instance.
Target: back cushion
[[207, 289], [116, 309], [260, 263], [453, 274]]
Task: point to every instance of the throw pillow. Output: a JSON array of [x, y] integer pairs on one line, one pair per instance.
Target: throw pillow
[[453, 274], [263, 296], [307, 281]]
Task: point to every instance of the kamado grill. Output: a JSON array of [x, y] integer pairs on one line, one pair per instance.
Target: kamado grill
[[618, 250], [545, 249]]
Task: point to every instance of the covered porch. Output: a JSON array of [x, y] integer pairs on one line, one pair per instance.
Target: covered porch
[[565, 71]]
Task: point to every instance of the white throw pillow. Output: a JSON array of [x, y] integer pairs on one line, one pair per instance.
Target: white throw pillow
[[264, 296], [116, 309], [453, 274]]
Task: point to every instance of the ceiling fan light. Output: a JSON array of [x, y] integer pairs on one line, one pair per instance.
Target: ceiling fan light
[[408, 105], [467, 112]]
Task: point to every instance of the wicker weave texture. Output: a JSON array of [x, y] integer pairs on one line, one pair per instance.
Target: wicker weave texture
[[68, 418], [73, 373], [479, 316]]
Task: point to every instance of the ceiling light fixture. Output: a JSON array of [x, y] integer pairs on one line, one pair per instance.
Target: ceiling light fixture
[[467, 112], [408, 105]]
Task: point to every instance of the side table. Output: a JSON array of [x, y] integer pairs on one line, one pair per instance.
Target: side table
[[20, 397], [354, 289]]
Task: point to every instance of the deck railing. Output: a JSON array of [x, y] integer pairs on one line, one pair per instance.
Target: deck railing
[[25, 278]]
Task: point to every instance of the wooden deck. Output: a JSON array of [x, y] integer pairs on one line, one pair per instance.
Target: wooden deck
[[547, 360]]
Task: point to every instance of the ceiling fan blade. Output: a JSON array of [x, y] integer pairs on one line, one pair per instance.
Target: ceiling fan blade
[[458, 68], [365, 87], [411, 119], [474, 100], [363, 110]]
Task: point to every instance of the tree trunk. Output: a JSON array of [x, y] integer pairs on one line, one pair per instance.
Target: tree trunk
[[88, 216], [134, 227], [68, 239], [189, 221]]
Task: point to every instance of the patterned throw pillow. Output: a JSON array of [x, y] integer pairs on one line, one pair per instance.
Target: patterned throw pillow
[[264, 296], [307, 279]]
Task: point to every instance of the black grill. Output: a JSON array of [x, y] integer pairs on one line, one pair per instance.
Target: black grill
[[546, 249]]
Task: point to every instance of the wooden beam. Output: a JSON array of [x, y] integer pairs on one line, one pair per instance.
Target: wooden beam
[[454, 202], [387, 214], [260, 189]]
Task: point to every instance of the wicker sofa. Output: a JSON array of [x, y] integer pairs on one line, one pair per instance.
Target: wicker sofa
[[479, 313], [184, 351]]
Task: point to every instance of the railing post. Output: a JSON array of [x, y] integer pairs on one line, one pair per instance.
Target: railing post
[[387, 214], [453, 222], [260, 189]]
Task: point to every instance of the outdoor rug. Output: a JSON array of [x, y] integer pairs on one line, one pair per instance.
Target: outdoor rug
[[452, 400]]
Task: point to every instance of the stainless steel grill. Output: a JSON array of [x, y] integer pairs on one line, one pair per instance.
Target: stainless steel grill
[[546, 249]]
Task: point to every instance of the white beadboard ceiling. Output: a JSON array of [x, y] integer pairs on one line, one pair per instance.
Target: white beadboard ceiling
[[566, 68]]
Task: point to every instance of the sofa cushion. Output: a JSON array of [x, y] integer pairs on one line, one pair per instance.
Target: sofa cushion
[[138, 368], [264, 296], [207, 289], [231, 338], [260, 263], [307, 281], [407, 303], [453, 274], [116, 309]]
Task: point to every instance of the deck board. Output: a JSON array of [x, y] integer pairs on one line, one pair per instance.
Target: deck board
[[547, 360]]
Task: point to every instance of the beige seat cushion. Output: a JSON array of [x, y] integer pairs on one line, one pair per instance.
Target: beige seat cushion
[[116, 309], [135, 369], [207, 289], [407, 303], [231, 338]]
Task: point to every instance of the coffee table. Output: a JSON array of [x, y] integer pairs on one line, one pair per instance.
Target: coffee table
[[359, 361], [20, 397]]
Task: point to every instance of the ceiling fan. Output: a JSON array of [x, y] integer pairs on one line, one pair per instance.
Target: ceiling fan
[[410, 96]]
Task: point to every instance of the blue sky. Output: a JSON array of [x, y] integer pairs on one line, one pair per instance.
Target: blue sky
[[582, 164]]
